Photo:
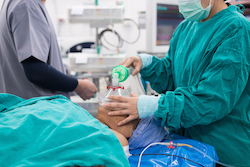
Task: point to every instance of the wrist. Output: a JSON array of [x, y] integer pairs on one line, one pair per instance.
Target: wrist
[[77, 88], [147, 105], [146, 60]]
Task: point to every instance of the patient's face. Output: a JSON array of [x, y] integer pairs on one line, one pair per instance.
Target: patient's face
[[112, 121]]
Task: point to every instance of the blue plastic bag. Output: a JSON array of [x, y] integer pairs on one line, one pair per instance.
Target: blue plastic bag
[[162, 156]]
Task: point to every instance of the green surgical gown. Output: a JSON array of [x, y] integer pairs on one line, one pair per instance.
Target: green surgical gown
[[54, 132], [204, 81]]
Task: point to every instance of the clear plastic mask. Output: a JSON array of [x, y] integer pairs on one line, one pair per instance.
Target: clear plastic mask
[[118, 91]]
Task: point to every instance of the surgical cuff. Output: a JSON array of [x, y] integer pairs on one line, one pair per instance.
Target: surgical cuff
[[147, 105], [146, 60]]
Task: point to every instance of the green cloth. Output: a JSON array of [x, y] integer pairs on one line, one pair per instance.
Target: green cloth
[[53, 131], [205, 81]]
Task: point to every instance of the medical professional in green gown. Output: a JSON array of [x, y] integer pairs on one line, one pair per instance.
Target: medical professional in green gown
[[203, 80]]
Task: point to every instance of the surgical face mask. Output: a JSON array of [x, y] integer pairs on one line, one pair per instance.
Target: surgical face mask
[[193, 10]]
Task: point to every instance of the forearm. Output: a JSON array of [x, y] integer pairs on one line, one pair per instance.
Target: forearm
[[48, 77], [159, 74]]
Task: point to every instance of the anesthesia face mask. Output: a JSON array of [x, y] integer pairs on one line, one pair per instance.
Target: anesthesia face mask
[[122, 84], [115, 89]]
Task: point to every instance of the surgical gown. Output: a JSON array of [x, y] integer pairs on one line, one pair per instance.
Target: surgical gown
[[204, 81]]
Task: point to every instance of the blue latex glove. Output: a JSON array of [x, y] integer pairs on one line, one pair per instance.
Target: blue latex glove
[[147, 105], [146, 60]]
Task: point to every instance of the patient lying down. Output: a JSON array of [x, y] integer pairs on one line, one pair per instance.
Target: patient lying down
[[137, 133], [64, 134], [53, 131]]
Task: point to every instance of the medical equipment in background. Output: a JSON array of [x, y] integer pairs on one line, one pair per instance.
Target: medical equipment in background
[[98, 61], [102, 17], [162, 18], [74, 44], [98, 17], [91, 62]]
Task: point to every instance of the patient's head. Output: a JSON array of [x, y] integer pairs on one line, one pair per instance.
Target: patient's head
[[112, 121], [137, 131]]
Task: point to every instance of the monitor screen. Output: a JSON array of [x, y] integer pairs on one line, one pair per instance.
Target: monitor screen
[[168, 19]]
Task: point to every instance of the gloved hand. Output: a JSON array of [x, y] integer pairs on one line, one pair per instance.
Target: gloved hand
[[85, 89], [134, 61]]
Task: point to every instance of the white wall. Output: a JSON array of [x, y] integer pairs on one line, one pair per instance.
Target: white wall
[[58, 10]]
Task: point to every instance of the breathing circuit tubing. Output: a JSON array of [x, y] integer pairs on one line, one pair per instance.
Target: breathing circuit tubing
[[171, 145]]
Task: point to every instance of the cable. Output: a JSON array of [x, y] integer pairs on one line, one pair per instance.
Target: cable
[[110, 43], [99, 37], [211, 158], [139, 30], [138, 77], [152, 144], [180, 145], [120, 39], [172, 156]]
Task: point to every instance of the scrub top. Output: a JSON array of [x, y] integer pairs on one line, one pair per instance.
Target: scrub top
[[205, 83], [26, 30]]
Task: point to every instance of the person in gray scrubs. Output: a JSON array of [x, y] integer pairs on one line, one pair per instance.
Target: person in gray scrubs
[[30, 60]]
